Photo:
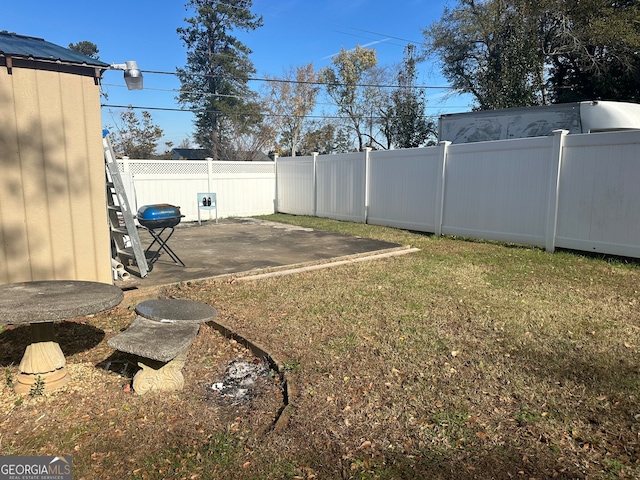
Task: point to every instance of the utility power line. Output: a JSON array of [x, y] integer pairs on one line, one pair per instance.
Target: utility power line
[[197, 110], [188, 110], [302, 82], [175, 90]]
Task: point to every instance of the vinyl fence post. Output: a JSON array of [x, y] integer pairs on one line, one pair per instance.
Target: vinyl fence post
[[367, 164], [125, 168], [554, 188], [315, 184], [444, 149], [275, 171], [125, 164]]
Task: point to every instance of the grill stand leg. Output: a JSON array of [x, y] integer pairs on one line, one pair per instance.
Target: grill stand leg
[[162, 245]]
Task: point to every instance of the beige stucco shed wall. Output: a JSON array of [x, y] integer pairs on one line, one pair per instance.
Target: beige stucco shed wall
[[53, 221]]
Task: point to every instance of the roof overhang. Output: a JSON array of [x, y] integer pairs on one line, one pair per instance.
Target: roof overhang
[[10, 62], [21, 51]]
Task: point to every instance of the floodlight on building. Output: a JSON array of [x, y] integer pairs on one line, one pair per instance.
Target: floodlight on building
[[132, 74]]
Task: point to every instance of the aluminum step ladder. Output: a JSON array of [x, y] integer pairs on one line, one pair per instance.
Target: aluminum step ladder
[[124, 233]]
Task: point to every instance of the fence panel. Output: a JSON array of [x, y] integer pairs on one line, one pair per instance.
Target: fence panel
[[295, 180], [242, 188], [403, 188], [340, 186], [599, 200], [498, 190]]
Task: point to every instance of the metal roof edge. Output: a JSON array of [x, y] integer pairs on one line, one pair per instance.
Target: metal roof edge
[[26, 47]]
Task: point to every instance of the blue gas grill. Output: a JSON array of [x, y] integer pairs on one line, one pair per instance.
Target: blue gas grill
[[160, 221]]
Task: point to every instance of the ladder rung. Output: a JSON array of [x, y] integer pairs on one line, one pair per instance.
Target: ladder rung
[[116, 191]]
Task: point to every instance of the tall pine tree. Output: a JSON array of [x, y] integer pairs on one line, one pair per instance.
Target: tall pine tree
[[214, 79]]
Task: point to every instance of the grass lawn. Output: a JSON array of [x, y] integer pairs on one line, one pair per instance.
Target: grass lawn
[[464, 360]]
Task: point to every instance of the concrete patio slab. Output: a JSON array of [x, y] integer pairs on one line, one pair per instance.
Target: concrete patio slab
[[241, 246]]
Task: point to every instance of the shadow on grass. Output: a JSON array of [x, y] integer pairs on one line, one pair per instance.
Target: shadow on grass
[[466, 463], [73, 338], [599, 373], [495, 462]]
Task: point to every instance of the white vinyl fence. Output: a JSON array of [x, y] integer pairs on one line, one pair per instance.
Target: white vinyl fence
[[599, 194], [572, 191], [242, 188]]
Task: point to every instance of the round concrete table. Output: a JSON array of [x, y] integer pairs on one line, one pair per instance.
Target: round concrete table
[[40, 304]]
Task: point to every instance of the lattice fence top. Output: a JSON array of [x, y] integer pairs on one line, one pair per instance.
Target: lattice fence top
[[167, 168], [242, 167], [197, 167]]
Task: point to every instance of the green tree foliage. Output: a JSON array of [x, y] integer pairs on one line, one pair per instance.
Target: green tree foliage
[[344, 83], [593, 49], [510, 53], [85, 47], [214, 79], [487, 49], [136, 137], [408, 125]]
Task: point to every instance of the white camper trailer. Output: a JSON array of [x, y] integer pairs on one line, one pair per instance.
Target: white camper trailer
[[578, 117]]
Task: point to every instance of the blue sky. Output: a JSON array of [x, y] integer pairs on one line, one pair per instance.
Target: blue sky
[[295, 32]]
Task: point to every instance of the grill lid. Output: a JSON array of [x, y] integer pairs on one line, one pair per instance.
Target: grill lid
[[161, 215], [161, 211]]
